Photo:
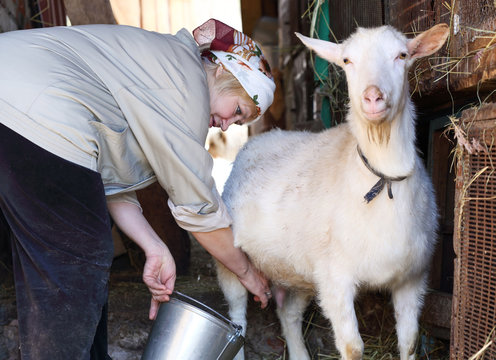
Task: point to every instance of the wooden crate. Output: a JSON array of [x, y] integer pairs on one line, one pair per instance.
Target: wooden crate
[[474, 305]]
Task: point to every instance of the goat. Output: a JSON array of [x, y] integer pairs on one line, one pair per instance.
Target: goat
[[324, 214]]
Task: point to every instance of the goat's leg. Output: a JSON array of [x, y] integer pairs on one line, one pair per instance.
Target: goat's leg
[[337, 301], [407, 300], [291, 317], [237, 298]]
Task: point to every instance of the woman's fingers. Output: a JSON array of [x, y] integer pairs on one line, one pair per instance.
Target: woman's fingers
[[154, 305]]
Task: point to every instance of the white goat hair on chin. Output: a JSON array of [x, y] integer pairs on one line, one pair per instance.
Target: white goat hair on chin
[[298, 207]]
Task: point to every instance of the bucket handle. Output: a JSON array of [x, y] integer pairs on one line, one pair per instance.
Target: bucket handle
[[201, 305]]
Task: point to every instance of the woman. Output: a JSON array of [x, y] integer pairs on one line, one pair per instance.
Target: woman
[[88, 115]]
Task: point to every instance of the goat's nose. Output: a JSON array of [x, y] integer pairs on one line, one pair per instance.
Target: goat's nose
[[374, 103], [373, 94]]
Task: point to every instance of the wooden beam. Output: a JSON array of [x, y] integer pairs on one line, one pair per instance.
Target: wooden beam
[[251, 11]]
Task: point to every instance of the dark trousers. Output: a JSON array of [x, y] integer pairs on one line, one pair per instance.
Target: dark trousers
[[62, 250]]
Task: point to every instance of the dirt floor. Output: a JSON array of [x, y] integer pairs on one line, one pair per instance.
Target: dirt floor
[[129, 325]]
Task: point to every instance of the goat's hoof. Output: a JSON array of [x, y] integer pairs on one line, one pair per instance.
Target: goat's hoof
[[352, 353]]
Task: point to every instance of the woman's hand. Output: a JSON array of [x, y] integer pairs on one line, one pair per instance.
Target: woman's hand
[[256, 283], [159, 273], [220, 244]]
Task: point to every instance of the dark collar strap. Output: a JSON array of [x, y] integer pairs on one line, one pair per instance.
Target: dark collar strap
[[384, 180]]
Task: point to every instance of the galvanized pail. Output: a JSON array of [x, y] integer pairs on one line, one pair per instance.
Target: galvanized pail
[[187, 329]]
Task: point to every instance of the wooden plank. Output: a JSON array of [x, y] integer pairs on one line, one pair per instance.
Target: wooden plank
[[251, 11], [456, 341], [291, 20], [52, 12], [345, 16], [411, 16], [441, 276], [82, 12], [437, 313]]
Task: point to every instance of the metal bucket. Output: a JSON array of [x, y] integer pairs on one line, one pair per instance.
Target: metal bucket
[[187, 329]]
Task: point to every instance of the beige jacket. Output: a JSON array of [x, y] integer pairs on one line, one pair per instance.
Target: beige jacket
[[130, 104]]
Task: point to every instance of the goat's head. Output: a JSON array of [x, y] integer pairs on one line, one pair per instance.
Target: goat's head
[[376, 63]]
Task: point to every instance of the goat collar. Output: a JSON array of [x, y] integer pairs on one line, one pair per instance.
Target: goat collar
[[384, 180]]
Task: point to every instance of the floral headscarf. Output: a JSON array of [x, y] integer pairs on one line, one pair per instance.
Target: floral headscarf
[[240, 55]]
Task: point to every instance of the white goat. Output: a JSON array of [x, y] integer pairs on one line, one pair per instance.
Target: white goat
[[297, 200]]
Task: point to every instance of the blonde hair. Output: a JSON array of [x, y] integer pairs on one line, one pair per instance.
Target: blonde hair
[[226, 83]]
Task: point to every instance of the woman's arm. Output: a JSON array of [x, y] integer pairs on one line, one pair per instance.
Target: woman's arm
[[220, 244], [159, 273]]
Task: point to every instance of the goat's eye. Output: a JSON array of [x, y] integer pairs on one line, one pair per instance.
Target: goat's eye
[[346, 61], [402, 56]]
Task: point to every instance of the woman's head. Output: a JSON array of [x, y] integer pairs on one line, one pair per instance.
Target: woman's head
[[229, 102], [239, 62]]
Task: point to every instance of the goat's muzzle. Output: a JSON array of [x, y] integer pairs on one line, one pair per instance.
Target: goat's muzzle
[[374, 103]]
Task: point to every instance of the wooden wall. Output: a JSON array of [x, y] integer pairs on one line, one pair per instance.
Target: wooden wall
[[467, 64]]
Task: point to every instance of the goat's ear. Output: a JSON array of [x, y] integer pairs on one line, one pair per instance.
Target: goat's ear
[[428, 42], [325, 49]]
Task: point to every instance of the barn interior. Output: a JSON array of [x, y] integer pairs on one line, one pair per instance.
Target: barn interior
[[455, 99]]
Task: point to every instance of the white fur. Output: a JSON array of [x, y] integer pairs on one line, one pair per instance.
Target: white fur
[[297, 200]]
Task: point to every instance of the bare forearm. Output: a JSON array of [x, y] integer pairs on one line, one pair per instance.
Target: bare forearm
[[220, 244], [131, 221]]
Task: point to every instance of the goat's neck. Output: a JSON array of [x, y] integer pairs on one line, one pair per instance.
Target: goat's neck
[[390, 149]]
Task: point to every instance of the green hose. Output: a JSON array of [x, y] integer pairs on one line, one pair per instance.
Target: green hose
[[321, 70]]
